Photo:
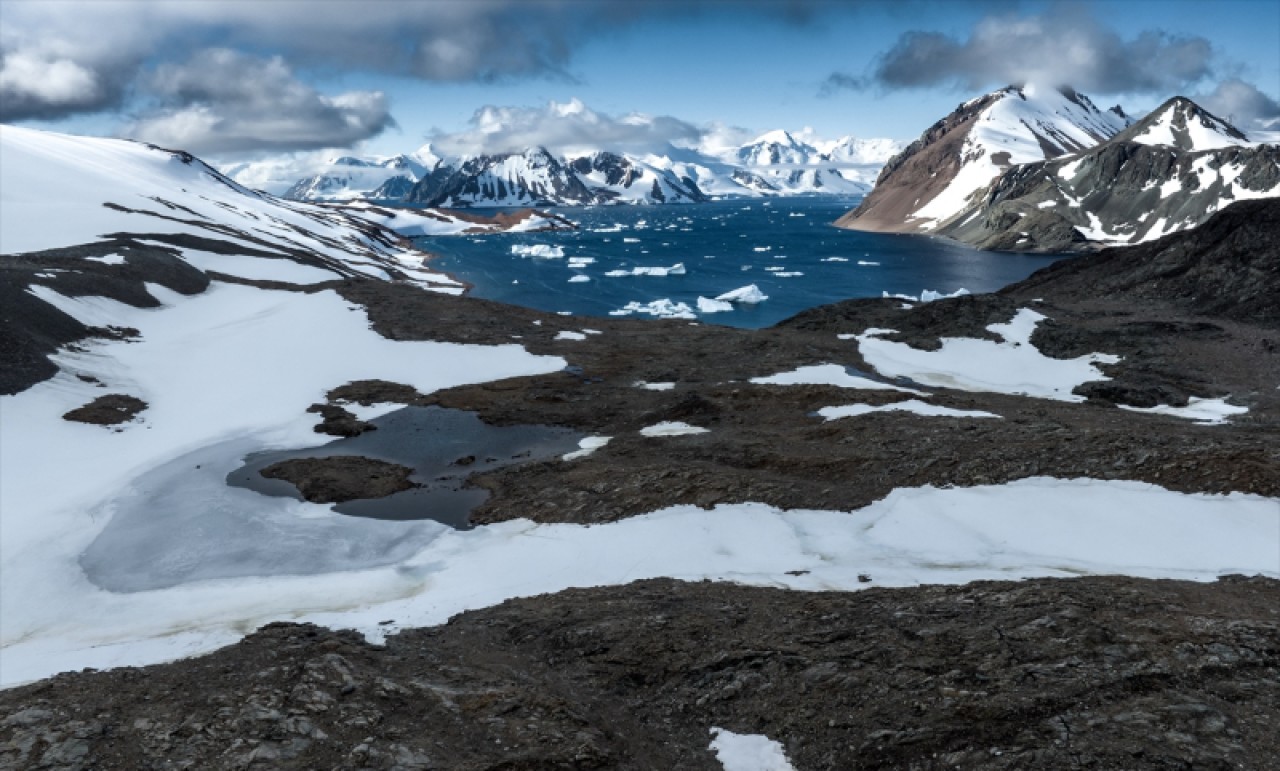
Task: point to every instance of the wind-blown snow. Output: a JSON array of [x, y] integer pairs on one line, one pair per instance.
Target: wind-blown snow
[[1012, 366], [586, 446], [672, 428], [1202, 411], [910, 405], [748, 752], [832, 375]]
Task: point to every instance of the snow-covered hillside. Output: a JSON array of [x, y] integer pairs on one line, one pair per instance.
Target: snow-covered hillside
[[130, 191], [1169, 172], [938, 176]]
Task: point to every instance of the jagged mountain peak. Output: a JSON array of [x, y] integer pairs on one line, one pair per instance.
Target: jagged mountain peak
[[1184, 125], [937, 176]]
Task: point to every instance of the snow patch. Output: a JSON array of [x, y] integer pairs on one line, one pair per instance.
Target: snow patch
[[910, 405], [1012, 366], [672, 428]]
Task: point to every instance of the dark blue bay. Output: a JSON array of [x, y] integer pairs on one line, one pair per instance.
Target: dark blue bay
[[723, 245]]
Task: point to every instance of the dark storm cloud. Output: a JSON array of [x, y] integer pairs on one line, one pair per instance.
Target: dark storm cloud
[[224, 102], [1063, 46], [62, 57]]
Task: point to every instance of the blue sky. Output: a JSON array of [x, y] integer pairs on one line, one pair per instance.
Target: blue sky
[[232, 80]]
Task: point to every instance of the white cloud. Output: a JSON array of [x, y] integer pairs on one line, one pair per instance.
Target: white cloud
[[1242, 104], [1065, 45], [223, 102], [565, 128]]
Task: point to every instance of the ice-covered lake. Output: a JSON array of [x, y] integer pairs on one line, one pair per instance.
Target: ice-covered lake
[[637, 257]]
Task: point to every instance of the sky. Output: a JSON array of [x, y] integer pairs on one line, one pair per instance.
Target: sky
[[238, 80]]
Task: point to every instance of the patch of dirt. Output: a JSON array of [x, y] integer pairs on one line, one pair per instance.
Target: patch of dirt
[[1046, 674], [108, 410], [341, 478]]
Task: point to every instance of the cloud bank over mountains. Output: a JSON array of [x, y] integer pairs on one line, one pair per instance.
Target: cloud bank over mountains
[[242, 77], [1067, 46]]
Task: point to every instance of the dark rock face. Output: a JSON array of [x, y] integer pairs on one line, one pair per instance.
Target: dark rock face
[[340, 478], [32, 329], [1123, 187], [1046, 674], [539, 178], [916, 175], [108, 410], [1228, 267], [394, 189]]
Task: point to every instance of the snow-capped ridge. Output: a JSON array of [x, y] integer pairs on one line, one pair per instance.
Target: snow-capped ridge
[[1184, 125]]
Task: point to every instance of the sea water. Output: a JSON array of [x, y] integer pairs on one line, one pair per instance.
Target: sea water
[[787, 247]]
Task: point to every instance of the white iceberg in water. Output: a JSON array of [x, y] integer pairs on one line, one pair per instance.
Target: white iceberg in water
[[674, 270], [663, 309], [707, 305], [748, 294], [537, 250]]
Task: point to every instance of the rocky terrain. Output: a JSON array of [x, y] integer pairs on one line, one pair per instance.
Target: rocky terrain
[[1047, 674], [1088, 672], [1092, 671]]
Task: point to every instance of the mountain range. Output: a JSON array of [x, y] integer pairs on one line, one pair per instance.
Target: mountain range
[[1035, 169], [775, 163]]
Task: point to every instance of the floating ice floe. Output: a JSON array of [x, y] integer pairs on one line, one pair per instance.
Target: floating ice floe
[[748, 752], [1203, 411], [664, 308], [579, 279], [835, 259], [586, 446], [708, 305], [749, 294], [1012, 366], [542, 251], [672, 428], [910, 405], [674, 270], [581, 262], [867, 263], [630, 240], [832, 375]]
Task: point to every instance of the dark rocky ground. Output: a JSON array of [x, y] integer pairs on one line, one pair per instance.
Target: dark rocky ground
[[1104, 673], [1086, 673]]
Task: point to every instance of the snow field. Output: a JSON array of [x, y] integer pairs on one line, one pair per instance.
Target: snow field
[[1012, 366], [748, 752]]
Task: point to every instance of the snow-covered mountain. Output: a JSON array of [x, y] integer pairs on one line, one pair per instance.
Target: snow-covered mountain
[[533, 177], [935, 178], [775, 163], [614, 178], [349, 178], [1170, 171]]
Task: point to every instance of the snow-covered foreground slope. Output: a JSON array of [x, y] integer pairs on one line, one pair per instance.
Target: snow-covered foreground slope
[[149, 195]]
